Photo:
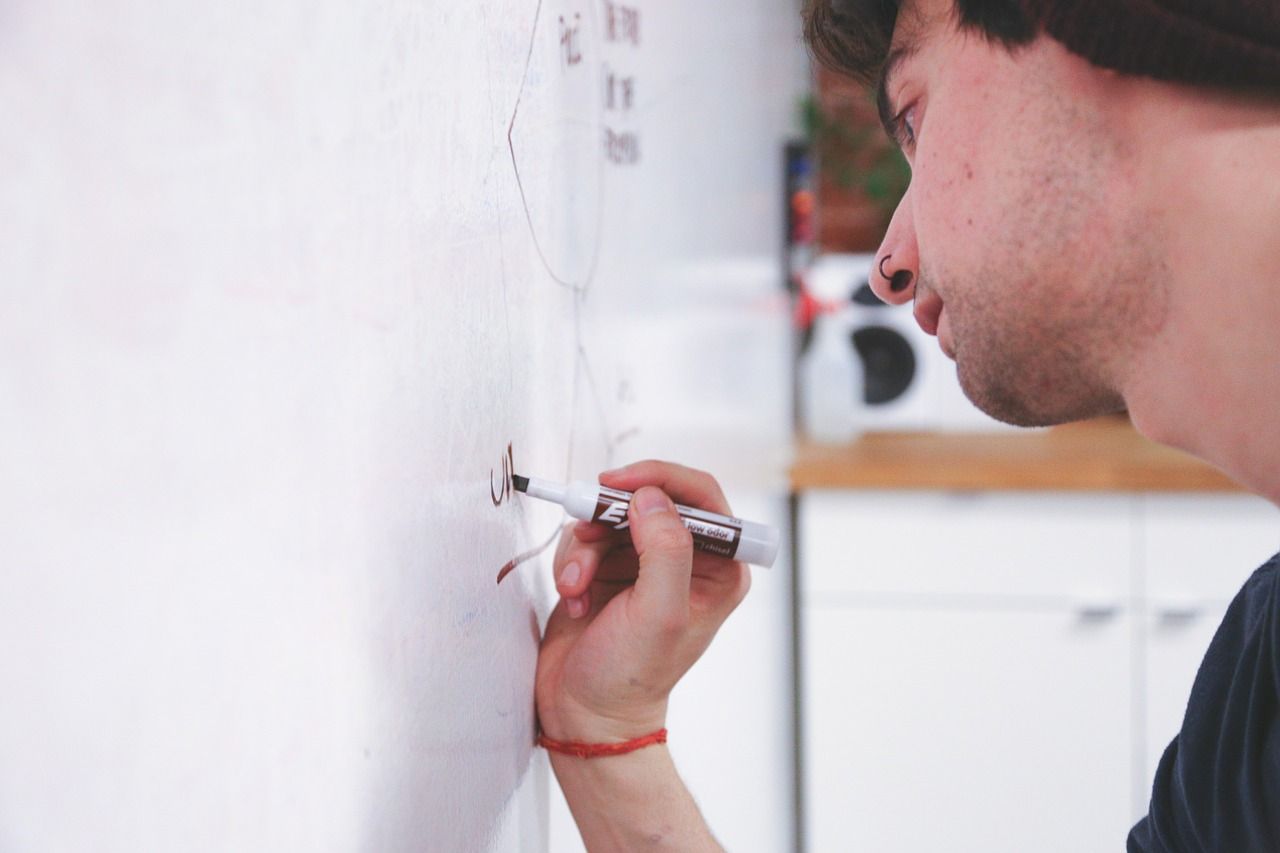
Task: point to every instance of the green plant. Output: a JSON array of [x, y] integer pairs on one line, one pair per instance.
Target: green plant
[[856, 156]]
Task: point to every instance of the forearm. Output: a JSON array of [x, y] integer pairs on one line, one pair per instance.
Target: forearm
[[632, 801]]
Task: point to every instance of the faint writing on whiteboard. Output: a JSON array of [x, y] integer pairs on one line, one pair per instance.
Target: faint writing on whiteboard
[[622, 149], [621, 141], [621, 23], [571, 40], [619, 91], [501, 492]]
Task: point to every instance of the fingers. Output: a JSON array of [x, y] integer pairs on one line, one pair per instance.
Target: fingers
[[665, 550], [720, 594], [685, 485], [577, 564], [585, 546], [566, 539], [579, 606], [587, 531]]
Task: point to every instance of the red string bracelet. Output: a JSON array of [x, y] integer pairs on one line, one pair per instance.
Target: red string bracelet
[[596, 750]]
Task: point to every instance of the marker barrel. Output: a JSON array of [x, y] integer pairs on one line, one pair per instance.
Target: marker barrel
[[714, 533]]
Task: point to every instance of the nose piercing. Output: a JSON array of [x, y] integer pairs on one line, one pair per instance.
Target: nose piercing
[[899, 281]]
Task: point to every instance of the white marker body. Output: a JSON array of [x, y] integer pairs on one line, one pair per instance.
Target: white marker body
[[724, 535]]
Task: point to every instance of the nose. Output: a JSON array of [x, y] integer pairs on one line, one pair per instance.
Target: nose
[[898, 260]]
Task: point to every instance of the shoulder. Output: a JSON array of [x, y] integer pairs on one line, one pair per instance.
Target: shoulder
[[1255, 605], [1264, 576], [1217, 782], [1249, 627]]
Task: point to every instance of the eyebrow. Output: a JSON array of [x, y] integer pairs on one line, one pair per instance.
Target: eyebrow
[[891, 63]]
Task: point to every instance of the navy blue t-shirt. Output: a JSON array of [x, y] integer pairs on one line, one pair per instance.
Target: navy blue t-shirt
[[1217, 788]]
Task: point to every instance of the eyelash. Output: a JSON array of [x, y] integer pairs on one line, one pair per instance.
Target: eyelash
[[903, 132]]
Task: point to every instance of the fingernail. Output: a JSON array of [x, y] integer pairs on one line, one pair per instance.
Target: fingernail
[[570, 575], [901, 281], [576, 608], [649, 501], [613, 472]]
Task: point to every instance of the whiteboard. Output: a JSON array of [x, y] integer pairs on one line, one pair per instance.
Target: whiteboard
[[289, 290]]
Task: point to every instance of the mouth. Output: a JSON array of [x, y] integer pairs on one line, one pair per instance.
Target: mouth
[[927, 310], [930, 312], [945, 341]]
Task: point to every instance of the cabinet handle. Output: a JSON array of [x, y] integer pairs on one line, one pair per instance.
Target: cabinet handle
[[1097, 609], [1183, 611]]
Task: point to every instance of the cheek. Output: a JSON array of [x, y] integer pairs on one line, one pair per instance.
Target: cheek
[[952, 208], [962, 160]]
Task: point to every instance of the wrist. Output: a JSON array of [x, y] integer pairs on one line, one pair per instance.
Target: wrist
[[568, 722], [609, 780], [601, 750]]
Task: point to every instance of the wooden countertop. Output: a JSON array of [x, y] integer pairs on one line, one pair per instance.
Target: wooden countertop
[[1105, 455]]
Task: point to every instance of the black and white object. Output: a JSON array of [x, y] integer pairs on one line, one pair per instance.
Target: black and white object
[[723, 535], [907, 382]]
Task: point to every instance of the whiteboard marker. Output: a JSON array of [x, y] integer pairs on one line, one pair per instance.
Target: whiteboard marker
[[717, 534]]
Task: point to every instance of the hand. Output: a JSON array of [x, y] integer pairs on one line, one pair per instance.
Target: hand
[[634, 613]]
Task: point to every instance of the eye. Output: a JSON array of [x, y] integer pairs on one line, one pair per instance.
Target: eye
[[904, 128]]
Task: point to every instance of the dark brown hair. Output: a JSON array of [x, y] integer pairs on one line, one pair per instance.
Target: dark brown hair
[[852, 36], [1211, 42]]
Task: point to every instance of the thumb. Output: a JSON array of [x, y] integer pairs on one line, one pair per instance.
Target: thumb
[[665, 549]]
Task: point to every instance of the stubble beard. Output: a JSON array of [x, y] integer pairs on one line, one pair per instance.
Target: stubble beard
[[1048, 328], [1032, 376], [1040, 349]]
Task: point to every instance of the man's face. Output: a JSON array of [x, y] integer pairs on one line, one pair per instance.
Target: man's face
[[1027, 258]]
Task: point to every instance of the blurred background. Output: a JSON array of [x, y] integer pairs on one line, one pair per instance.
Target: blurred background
[[290, 293]]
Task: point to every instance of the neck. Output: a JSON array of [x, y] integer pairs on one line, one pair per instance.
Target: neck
[[1209, 383]]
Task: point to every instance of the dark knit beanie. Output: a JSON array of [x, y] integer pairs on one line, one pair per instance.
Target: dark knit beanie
[[1232, 43]]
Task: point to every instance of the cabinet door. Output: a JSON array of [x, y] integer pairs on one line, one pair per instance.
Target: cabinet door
[[1004, 729], [1037, 547]]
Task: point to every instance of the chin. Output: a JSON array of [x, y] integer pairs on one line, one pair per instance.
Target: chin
[[1020, 407], [1021, 417]]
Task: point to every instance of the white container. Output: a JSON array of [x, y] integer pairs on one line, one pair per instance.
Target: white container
[[831, 383]]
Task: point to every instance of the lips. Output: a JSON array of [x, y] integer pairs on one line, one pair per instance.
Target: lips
[[927, 309]]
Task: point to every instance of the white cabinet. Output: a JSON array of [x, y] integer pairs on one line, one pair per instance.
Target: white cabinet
[[999, 672], [960, 655], [965, 730], [1031, 547]]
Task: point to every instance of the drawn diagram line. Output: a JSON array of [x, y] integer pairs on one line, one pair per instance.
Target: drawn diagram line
[[515, 165], [583, 373], [527, 555]]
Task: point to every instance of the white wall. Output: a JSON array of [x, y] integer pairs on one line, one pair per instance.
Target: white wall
[[274, 306]]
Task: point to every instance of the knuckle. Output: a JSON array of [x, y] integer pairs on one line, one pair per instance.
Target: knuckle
[[674, 623], [709, 486], [565, 553], [731, 592], [672, 538], [646, 468]]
